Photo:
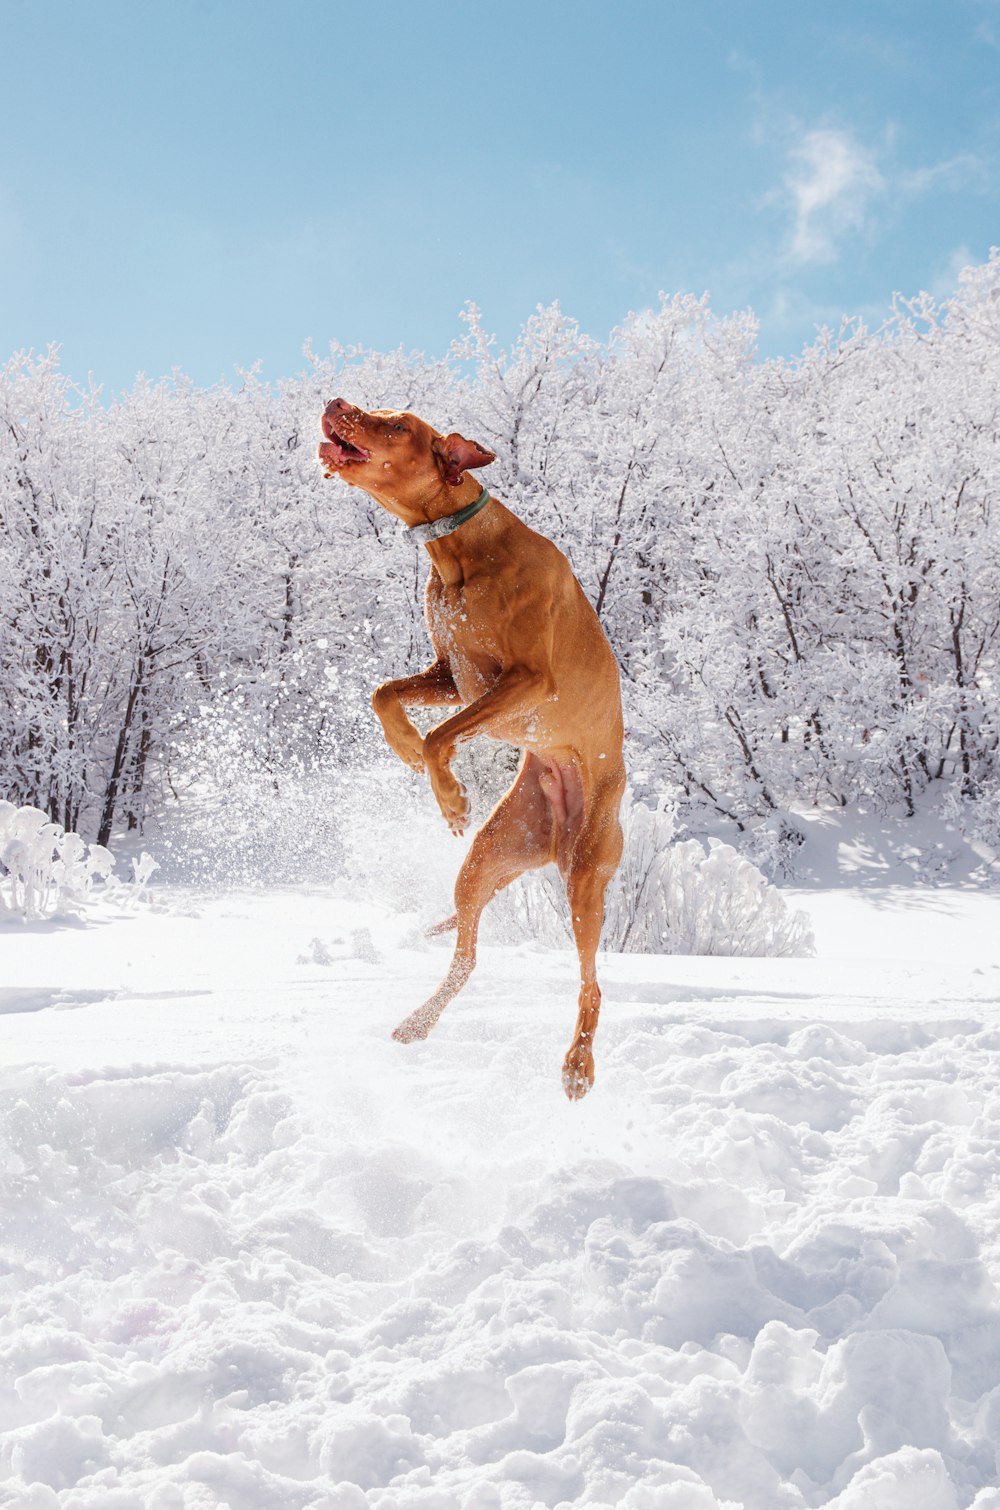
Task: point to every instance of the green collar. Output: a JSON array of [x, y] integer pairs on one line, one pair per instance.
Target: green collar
[[424, 533]]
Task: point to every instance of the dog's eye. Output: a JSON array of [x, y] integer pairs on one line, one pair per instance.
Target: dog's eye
[[400, 429]]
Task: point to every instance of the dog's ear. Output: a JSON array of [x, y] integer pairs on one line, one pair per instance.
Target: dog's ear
[[455, 455]]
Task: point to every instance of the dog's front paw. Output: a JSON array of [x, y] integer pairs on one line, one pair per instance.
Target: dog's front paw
[[452, 799], [578, 1073], [409, 750]]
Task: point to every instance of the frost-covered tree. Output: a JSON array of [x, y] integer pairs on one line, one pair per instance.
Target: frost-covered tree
[[798, 562]]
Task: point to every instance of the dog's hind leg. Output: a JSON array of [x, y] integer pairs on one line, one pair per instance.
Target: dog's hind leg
[[592, 863], [518, 836]]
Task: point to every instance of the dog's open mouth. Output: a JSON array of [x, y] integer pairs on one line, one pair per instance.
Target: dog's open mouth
[[336, 451]]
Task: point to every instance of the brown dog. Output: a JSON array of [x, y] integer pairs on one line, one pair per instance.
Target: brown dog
[[519, 647]]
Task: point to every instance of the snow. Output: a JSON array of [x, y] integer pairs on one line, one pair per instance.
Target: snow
[[44, 870], [255, 1254]]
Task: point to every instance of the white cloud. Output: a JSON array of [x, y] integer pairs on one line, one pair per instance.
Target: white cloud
[[830, 184], [964, 170]]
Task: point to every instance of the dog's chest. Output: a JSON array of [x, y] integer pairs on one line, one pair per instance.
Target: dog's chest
[[462, 631]]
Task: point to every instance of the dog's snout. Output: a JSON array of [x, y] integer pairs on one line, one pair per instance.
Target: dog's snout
[[337, 416]]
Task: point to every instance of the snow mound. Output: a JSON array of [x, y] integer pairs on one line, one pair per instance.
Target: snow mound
[[754, 1274], [46, 871]]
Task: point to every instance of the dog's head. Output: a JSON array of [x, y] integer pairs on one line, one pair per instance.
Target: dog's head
[[396, 457]]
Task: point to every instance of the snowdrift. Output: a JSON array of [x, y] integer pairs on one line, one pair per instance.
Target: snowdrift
[[257, 1255]]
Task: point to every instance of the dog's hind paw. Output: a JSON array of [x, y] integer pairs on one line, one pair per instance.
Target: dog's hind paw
[[417, 1025], [445, 926], [578, 1073]]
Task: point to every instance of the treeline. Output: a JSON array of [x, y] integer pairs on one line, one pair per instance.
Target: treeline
[[797, 561]]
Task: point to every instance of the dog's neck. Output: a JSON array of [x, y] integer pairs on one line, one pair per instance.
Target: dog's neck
[[450, 498], [447, 524], [446, 499], [452, 547], [456, 553]]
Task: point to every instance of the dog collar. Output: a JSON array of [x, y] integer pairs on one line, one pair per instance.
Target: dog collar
[[424, 533]]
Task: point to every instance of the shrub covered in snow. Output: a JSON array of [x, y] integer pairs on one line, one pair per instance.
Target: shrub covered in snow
[[45, 871], [670, 898]]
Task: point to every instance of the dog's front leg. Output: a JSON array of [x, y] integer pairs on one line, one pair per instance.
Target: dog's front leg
[[428, 688], [515, 693]]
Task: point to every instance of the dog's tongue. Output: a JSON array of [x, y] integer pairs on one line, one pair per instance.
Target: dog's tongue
[[336, 451]]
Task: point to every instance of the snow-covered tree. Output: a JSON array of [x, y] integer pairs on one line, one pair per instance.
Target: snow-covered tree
[[797, 561]]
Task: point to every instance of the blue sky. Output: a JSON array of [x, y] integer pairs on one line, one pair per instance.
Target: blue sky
[[202, 183]]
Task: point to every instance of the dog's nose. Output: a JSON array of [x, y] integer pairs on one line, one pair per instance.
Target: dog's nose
[[338, 404]]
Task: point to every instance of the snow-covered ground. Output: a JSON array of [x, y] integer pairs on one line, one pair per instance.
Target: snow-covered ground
[[255, 1254]]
